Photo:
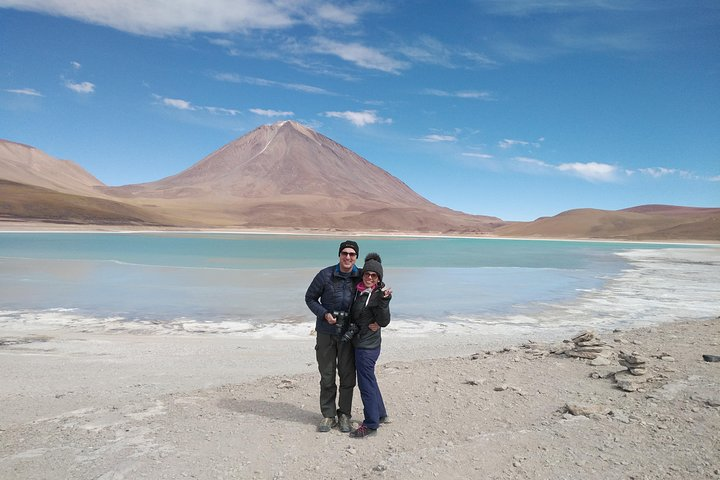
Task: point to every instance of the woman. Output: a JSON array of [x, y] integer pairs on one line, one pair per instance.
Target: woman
[[370, 311]]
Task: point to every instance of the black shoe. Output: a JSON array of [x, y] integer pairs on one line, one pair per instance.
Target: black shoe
[[345, 425], [326, 424], [363, 431]]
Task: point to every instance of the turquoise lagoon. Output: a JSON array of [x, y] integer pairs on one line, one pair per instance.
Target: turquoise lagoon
[[255, 284]]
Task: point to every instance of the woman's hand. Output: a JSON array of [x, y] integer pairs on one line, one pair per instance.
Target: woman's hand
[[330, 319], [374, 327], [387, 291]]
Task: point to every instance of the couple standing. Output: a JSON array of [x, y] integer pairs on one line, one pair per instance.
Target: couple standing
[[346, 299]]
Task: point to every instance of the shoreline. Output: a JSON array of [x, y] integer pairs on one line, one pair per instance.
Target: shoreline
[[38, 227], [83, 405]]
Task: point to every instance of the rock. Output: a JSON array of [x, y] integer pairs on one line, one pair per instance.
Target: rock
[[586, 345], [586, 410], [600, 361], [628, 382]]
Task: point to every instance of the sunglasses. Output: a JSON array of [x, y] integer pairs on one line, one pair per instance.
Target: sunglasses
[[370, 274], [349, 254]]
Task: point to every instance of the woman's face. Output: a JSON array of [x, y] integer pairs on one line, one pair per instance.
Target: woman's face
[[370, 279]]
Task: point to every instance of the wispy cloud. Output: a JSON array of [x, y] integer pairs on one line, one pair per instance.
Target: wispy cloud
[[180, 104], [658, 172], [360, 119], [528, 7], [434, 138], [360, 55], [510, 143], [485, 156], [431, 51], [590, 171], [177, 103], [169, 17], [24, 91], [469, 94], [81, 87], [271, 113], [262, 82]]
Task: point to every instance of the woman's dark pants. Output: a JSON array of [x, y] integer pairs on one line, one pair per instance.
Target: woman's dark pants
[[373, 405]]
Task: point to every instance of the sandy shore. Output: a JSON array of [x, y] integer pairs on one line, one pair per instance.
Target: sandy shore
[[96, 406]]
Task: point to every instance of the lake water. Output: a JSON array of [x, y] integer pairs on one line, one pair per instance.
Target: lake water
[[254, 284]]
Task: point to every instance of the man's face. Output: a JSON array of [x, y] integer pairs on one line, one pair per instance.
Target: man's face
[[347, 259]]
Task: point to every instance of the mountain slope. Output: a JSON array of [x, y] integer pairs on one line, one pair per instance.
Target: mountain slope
[[28, 165], [32, 203], [287, 175]]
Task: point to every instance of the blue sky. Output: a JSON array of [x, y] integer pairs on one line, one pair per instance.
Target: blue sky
[[517, 109]]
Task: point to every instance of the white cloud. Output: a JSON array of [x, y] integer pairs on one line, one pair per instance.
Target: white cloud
[[75, 65], [591, 171], [178, 103], [471, 94], [181, 104], [170, 17], [508, 143], [478, 155], [439, 138], [657, 172], [360, 119], [262, 82], [82, 87], [222, 111], [360, 55], [271, 113], [533, 162], [25, 91]]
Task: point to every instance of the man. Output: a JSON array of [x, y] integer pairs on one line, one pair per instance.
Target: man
[[332, 292]]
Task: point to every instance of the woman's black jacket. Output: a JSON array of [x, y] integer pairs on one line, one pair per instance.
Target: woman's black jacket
[[377, 310]]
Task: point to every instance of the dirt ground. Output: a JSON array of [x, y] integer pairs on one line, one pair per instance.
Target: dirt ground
[[108, 409]]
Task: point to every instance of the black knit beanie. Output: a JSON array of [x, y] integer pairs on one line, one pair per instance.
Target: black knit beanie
[[351, 244], [373, 263]]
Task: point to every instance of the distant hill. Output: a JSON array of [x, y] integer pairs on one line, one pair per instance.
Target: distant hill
[[27, 165], [646, 222], [31, 203], [287, 176]]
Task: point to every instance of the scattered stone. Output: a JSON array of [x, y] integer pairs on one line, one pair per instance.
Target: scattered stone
[[475, 382], [600, 362], [586, 410], [501, 388], [711, 358]]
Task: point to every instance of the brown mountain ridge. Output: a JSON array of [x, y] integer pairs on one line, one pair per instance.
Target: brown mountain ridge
[[287, 176]]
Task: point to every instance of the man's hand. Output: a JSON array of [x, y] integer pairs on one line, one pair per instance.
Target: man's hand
[[330, 319], [374, 327]]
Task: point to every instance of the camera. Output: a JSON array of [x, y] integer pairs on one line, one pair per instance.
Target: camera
[[351, 331], [342, 319]]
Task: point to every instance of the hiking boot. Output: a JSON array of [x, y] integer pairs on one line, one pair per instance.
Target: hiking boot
[[344, 422], [385, 419], [363, 431], [326, 424]]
